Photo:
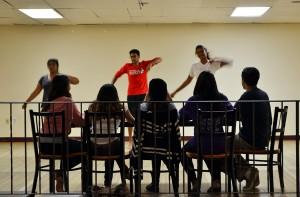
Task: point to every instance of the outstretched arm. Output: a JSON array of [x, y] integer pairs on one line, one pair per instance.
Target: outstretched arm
[[34, 94], [113, 81], [222, 61], [73, 80], [183, 85], [118, 74], [153, 62]]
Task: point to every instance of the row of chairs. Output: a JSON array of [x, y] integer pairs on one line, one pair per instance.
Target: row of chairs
[[90, 132]]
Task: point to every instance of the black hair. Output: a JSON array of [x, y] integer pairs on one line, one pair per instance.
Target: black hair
[[250, 75], [134, 51], [52, 61], [158, 91], [206, 86], [59, 87], [107, 93], [204, 48]]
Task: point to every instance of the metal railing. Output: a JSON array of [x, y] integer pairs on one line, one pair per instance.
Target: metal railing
[[17, 156]]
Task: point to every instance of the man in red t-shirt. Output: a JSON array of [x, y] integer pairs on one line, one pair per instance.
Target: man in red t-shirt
[[137, 80]]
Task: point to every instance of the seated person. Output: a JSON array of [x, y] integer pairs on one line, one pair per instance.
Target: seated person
[[157, 119], [108, 101], [205, 90], [60, 95], [255, 133]]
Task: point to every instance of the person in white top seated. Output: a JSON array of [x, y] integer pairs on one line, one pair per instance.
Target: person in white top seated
[[108, 101], [205, 64]]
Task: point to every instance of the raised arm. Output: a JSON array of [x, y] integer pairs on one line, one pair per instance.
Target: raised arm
[[222, 61], [34, 94], [186, 82], [153, 62], [73, 80]]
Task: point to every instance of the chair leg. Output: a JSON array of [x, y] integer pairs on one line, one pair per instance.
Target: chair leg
[[281, 178], [280, 172], [199, 177], [131, 180], [270, 168], [173, 175], [35, 178], [52, 176]]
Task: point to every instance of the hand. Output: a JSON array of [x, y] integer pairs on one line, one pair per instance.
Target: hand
[[173, 94], [169, 98], [24, 106]]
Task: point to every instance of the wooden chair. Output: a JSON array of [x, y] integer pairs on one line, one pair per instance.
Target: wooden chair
[[57, 140], [156, 136], [212, 123], [278, 129], [105, 128]]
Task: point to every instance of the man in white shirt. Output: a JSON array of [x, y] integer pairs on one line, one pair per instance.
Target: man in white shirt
[[205, 64]]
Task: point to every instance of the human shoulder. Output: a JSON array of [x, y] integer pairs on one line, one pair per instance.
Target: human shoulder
[[223, 97]]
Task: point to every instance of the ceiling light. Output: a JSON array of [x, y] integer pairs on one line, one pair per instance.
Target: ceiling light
[[41, 13], [249, 11]]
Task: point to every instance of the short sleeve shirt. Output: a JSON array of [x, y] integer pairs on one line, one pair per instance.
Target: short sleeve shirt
[[137, 77], [198, 68]]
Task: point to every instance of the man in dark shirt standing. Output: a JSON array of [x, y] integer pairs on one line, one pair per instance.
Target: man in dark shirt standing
[[256, 118]]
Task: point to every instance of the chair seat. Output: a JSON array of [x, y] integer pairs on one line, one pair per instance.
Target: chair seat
[[208, 156], [58, 157], [256, 151]]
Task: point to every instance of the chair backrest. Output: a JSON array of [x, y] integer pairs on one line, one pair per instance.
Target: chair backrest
[[278, 128], [217, 126], [47, 127], [157, 132], [104, 127]]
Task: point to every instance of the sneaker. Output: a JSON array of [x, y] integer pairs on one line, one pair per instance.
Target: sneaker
[[252, 179], [152, 188]]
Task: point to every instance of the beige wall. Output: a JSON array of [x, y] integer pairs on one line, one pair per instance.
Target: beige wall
[[94, 53]]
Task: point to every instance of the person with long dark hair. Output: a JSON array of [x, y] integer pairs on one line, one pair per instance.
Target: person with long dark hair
[[205, 90], [206, 63], [45, 82], [108, 102], [61, 100], [155, 144]]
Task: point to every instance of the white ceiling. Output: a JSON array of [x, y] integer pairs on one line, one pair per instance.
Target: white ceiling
[[154, 11]]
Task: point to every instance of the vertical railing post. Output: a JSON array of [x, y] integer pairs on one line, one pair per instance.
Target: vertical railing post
[[25, 148], [297, 149], [11, 149]]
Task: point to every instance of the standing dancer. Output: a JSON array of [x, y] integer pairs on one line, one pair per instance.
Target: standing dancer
[[205, 64], [45, 82], [137, 80]]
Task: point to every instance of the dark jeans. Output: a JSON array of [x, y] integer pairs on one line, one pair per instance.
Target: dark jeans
[[136, 100], [56, 149], [213, 165], [111, 149]]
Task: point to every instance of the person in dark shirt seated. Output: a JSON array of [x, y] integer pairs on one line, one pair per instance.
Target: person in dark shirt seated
[[205, 91], [256, 119]]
